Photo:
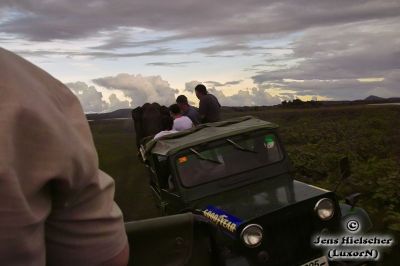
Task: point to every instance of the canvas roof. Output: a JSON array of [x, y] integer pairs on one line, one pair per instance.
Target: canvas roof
[[172, 143]]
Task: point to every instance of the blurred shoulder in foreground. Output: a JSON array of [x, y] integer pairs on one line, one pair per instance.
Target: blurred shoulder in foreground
[[56, 206]]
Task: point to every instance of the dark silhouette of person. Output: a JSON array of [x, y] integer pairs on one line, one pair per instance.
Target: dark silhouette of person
[[209, 107], [187, 109]]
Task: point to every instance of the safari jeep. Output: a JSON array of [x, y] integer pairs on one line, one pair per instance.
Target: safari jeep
[[237, 181]]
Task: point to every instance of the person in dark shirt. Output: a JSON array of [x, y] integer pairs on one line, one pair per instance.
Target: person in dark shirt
[[187, 109], [209, 107]]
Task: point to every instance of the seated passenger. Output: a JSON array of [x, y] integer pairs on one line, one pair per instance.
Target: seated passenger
[[187, 109], [181, 122]]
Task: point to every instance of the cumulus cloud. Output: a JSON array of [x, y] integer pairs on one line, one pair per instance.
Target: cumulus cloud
[[256, 96], [253, 97], [116, 103], [140, 89], [90, 98], [189, 86]]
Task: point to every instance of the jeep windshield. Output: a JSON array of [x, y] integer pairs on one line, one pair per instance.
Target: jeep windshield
[[227, 157]]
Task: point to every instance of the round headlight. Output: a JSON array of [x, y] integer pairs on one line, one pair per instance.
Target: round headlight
[[325, 208], [252, 235]]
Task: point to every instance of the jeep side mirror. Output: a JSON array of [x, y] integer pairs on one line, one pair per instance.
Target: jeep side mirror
[[352, 199]]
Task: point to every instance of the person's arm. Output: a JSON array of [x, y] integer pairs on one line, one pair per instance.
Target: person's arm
[[194, 115], [202, 110], [85, 226]]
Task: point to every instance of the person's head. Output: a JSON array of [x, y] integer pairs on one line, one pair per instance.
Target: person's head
[[174, 110], [200, 90], [182, 102]]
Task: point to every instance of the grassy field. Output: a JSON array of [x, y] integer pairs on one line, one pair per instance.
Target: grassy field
[[315, 139], [116, 146]]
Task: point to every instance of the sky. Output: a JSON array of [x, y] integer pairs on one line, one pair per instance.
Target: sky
[[124, 53]]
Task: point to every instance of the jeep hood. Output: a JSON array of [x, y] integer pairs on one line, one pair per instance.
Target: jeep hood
[[258, 199]]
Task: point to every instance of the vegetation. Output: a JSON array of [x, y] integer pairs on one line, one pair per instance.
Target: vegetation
[[315, 138], [116, 146], [297, 103]]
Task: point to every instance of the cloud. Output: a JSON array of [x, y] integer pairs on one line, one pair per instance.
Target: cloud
[[219, 84], [189, 86], [116, 103], [253, 97], [227, 47], [213, 83], [261, 96], [222, 56], [328, 44], [390, 85], [137, 88], [233, 82], [171, 64], [120, 39], [90, 98], [140, 89], [288, 96], [94, 54], [48, 20], [332, 64], [336, 89], [250, 97]]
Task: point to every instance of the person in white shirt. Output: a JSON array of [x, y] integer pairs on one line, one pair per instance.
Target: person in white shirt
[[168, 121], [181, 122]]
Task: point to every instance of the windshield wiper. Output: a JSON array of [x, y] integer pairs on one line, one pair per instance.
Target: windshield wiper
[[201, 157], [240, 147]]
